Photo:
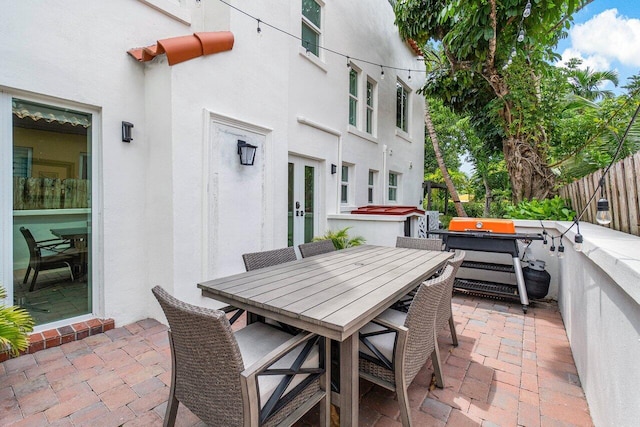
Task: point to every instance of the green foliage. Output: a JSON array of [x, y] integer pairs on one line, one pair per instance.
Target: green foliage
[[15, 324], [551, 209], [341, 239]]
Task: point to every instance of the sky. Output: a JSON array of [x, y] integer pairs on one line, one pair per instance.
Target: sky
[[606, 36]]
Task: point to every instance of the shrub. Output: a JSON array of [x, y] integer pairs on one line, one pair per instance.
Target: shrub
[[341, 239], [556, 208], [15, 324]]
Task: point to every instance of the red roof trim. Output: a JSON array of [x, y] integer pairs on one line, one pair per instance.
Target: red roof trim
[[184, 48], [387, 210]]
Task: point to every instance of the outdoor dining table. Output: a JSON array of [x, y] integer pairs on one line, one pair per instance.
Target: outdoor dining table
[[333, 295]]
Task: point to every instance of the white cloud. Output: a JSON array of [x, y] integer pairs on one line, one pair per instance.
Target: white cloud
[[607, 37], [595, 62]]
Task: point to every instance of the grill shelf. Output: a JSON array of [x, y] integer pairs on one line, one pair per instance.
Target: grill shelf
[[488, 266], [490, 289]]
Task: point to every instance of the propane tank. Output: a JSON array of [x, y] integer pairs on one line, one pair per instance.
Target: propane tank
[[536, 279]]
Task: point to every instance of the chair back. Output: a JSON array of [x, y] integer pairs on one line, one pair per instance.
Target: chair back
[[206, 361], [316, 248], [34, 250], [444, 309], [421, 322], [419, 243], [256, 260], [457, 260]]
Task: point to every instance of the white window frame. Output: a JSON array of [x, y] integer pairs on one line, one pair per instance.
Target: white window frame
[[395, 187], [354, 97], [345, 187], [370, 97], [371, 186], [318, 30], [405, 107]]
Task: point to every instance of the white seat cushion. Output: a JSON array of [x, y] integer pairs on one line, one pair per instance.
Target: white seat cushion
[[384, 342], [256, 341]]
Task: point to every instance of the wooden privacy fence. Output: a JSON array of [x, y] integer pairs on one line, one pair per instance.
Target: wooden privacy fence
[[50, 193], [622, 184]]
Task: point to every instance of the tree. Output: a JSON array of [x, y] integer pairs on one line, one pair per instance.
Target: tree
[[490, 76], [588, 83]]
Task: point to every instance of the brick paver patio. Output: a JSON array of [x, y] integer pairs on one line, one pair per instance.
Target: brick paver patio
[[510, 369]]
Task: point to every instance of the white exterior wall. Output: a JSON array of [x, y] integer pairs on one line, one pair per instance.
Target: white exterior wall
[[174, 207]]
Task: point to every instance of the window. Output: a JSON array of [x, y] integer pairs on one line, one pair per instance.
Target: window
[[344, 188], [22, 161], [369, 107], [402, 109], [311, 25], [393, 187], [371, 186], [353, 97]]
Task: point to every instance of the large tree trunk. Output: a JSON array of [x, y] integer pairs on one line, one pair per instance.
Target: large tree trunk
[[443, 168], [488, 196], [530, 176]]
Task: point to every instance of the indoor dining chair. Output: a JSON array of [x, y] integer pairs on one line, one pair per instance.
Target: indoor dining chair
[[316, 248], [256, 376], [396, 345]]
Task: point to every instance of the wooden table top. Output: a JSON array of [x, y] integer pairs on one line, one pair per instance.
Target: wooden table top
[[333, 294]]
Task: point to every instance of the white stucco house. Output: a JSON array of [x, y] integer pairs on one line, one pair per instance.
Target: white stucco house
[[119, 129]]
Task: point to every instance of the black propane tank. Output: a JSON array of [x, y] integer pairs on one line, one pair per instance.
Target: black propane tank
[[536, 279]]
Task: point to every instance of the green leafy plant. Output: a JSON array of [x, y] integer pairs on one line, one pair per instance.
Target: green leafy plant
[[15, 325], [341, 239], [556, 208]]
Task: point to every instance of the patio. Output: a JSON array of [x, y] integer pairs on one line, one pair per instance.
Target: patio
[[510, 369]]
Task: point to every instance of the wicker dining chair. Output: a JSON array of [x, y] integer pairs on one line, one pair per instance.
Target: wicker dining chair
[[257, 376], [316, 248], [445, 312], [255, 260], [396, 345], [419, 243]]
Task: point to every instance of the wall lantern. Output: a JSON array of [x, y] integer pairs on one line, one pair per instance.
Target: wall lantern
[[334, 169], [247, 153], [126, 132]]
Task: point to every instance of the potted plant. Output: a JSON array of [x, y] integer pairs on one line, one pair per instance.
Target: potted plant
[[15, 325], [341, 239]]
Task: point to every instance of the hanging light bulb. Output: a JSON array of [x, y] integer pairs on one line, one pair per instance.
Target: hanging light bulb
[[381, 73], [349, 63], [560, 251], [577, 240], [527, 10], [409, 74], [521, 36], [259, 30], [552, 249], [514, 52], [603, 216]]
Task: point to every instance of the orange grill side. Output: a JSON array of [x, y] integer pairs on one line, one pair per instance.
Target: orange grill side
[[492, 225]]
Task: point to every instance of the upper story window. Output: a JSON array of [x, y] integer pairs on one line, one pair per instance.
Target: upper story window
[[370, 108], [311, 26], [344, 187], [353, 97], [393, 186], [402, 106]]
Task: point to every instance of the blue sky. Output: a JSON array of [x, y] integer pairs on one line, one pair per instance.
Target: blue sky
[[606, 36]]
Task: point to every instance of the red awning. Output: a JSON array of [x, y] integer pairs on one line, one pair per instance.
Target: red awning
[[180, 49], [388, 210]]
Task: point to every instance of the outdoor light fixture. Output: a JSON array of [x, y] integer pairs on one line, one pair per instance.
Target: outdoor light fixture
[[126, 132], [603, 216], [560, 251], [527, 10], [334, 169], [247, 153], [552, 249], [577, 240]]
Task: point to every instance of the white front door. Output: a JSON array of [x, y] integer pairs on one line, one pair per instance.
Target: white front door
[[302, 200]]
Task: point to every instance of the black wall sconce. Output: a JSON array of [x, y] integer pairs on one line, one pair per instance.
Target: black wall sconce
[[334, 169], [126, 132], [247, 153]]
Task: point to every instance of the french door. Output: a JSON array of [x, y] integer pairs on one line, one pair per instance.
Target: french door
[[303, 218]]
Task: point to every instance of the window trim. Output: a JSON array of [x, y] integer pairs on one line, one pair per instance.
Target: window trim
[[344, 184], [406, 106], [355, 98], [371, 186], [317, 30], [370, 109], [395, 187]]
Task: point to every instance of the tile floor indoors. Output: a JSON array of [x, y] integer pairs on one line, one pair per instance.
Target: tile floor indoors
[[510, 369]]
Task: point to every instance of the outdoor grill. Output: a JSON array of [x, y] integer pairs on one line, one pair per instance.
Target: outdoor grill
[[489, 235]]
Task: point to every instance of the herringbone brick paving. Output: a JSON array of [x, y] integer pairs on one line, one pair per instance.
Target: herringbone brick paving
[[510, 369]]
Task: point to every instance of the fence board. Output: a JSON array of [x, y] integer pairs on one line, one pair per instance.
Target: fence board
[[622, 210], [632, 194]]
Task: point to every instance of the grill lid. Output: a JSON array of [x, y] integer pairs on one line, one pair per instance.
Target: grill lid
[[490, 225]]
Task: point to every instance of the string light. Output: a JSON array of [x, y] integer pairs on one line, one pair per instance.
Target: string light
[[577, 240], [409, 75], [527, 10], [521, 35], [348, 63], [306, 43], [552, 249], [561, 250]]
